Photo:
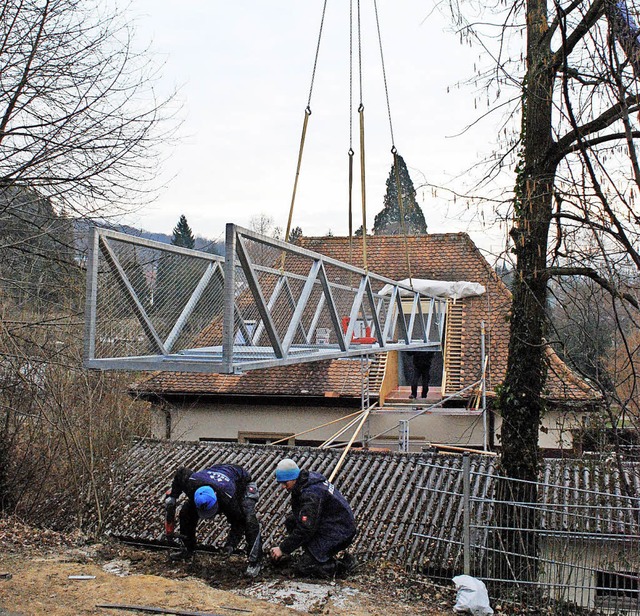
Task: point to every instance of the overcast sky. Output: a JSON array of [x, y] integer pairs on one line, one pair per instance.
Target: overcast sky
[[243, 69]]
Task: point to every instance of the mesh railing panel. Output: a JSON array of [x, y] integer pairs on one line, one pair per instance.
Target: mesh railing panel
[[568, 544], [265, 303]]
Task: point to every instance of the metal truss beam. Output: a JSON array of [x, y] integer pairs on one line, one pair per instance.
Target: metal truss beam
[[153, 306]]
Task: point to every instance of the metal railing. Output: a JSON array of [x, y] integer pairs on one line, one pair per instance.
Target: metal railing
[[568, 549], [153, 306]]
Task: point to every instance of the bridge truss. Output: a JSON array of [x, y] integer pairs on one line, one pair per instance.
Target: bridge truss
[[154, 306]]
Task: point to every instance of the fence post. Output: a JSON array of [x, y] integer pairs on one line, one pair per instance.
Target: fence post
[[228, 323], [466, 498], [403, 435]]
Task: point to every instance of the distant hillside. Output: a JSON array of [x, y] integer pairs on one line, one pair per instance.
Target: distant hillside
[[81, 230]]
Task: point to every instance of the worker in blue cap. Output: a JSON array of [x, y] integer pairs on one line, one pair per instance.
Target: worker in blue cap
[[223, 488], [321, 523]]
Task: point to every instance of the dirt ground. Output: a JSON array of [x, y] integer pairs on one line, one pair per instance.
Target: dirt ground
[[43, 572]]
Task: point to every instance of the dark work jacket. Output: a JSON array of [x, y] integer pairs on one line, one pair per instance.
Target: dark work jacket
[[322, 519], [228, 481]]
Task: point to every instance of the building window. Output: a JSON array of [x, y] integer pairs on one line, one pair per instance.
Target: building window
[[617, 587], [264, 438]]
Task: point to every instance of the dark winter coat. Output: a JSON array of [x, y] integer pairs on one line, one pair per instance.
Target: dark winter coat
[[228, 481], [321, 520]]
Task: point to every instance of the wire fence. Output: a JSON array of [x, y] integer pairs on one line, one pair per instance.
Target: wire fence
[[569, 547]]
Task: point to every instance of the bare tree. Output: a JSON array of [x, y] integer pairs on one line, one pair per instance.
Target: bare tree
[[79, 119], [576, 175], [573, 83], [80, 127]]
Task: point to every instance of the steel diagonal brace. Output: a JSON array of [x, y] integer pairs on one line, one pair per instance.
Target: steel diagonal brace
[[191, 304], [432, 307], [283, 283], [302, 305], [316, 318], [355, 308], [412, 317], [379, 307], [131, 295], [374, 314], [272, 300], [389, 322], [254, 285], [292, 303], [331, 305], [425, 332], [401, 317]]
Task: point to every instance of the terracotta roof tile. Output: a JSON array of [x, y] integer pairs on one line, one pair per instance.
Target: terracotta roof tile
[[450, 256], [340, 376]]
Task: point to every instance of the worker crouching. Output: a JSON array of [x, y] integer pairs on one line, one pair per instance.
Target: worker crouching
[[321, 523], [223, 488]]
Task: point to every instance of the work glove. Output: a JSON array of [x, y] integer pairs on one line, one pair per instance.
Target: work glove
[[170, 517]]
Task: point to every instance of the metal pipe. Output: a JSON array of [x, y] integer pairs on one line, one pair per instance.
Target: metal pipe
[[466, 503], [483, 387]]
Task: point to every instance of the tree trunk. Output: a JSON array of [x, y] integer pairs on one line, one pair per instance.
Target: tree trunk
[[521, 396]]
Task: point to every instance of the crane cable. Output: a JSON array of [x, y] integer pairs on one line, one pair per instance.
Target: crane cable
[[307, 114], [351, 152], [362, 136], [362, 157], [394, 150]]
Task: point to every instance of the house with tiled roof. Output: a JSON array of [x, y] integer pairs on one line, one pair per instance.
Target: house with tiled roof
[[288, 402]]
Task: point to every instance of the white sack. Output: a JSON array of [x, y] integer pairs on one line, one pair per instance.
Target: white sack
[[438, 288], [472, 596]]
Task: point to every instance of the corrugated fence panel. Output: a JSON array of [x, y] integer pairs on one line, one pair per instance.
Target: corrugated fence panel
[[390, 494]]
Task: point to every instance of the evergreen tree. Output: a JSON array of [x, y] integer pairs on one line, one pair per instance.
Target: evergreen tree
[[387, 221], [170, 274], [294, 235], [182, 235]]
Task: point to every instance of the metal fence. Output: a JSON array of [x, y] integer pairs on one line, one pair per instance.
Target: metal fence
[[153, 306], [569, 544]]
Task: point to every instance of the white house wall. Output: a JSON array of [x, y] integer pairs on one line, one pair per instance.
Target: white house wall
[[569, 567], [229, 422], [555, 432]]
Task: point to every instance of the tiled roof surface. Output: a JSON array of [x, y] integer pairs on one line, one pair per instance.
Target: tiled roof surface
[[386, 492], [450, 256], [342, 377]]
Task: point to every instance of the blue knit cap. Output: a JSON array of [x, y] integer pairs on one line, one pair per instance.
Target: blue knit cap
[[287, 470], [206, 502]]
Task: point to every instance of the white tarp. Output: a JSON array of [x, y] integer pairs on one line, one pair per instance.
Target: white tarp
[[438, 288]]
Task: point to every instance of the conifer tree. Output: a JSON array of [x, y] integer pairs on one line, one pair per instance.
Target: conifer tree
[[294, 235], [387, 221], [182, 235], [173, 271]]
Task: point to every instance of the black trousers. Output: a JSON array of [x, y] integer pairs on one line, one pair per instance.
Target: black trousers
[[421, 372], [244, 523], [309, 566]]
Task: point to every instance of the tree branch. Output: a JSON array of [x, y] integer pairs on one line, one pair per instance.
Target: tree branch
[[588, 272], [565, 144]]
